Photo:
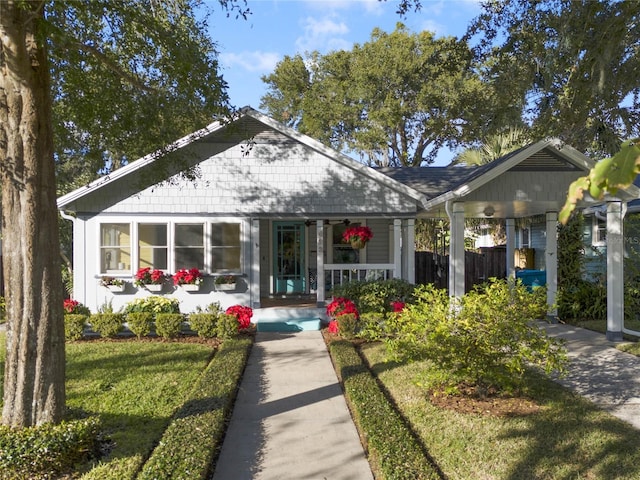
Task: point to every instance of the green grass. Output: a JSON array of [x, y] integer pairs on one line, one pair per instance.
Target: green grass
[[135, 388], [569, 438], [601, 327]]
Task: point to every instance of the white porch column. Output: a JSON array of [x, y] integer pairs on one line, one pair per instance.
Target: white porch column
[[456, 250], [551, 264], [320, 293], [615, 271], [397, 248], [510, 227], [254, 275], [410, 252]]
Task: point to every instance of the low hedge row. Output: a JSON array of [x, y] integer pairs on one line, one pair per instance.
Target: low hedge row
[[188, 446], [47, 450], [394, 452]]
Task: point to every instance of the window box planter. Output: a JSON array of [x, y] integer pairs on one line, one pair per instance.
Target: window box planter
[[116, 288], [153, 287], [190, 287], [225, 287]]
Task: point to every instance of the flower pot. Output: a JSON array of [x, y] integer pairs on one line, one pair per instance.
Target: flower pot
[[116, 288], [357, 243], [190, 287], [225, 287], [153, 287]]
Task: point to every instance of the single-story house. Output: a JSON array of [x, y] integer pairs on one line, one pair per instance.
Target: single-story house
[[255, 199]]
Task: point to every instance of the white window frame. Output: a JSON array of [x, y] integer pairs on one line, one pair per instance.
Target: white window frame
[[598, 226], [525, 242], [132, 255]]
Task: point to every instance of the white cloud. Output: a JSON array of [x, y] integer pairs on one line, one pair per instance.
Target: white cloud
[[256, 61], [322, 34], [434, 26]]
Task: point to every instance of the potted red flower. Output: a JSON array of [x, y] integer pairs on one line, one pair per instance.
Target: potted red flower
[[357, 236], [189, 279], [243, 315], [150, 279]]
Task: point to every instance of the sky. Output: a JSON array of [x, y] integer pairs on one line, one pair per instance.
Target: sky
[[249, 49]]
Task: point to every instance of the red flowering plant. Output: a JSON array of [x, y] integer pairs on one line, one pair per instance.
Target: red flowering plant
[[242, 313], [185, 276], [357, 236], [74, 307], [397, 306], [338, 307], [146, 276]]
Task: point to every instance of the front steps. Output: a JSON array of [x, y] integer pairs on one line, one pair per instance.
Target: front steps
[[289, 319]]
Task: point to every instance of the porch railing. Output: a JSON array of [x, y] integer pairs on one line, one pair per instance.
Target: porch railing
[[341, 273]]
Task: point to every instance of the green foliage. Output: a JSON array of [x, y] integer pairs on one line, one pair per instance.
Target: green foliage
[[3, 309], [204, 324], [383, 98], [188, 445], [394, 452], [169, 325], [74, 326], [227, 326], [571, 252], [375, 296], [140, 323], [348, 325], [107, 324], [373, 326], [47, 450], [488, 338], [153, 304], [583, 300]]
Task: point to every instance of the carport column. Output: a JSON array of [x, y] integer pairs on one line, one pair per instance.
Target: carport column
[[320, 283], [410, 252], [397, 248], [551, 264], [615, 272], [254, 279], [456, 250], [510, 227]]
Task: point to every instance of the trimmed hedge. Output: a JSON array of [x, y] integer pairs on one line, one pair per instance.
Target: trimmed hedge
[[227, 326], [48, 450], [204, 324], [140, 323], [187, 448], [169, 325], [394, 452], [107, 324], [74, 324]]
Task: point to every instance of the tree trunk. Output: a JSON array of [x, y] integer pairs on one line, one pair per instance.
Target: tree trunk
[[34, 371]]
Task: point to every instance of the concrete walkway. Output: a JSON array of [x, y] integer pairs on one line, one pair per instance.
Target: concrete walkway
[[290, 420], [601, 373]]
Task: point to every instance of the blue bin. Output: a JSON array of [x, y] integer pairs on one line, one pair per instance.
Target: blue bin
[[532, 278]]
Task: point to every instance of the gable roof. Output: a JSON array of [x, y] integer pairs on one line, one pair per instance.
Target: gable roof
[[236, 130]]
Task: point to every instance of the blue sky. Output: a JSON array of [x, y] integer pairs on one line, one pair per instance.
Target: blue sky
[[251, 48]]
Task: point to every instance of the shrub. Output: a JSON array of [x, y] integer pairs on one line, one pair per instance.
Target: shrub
[[140, 323], [71, 306], [74, 326], [394, 451], [107, 324], [243, 315], [153, 304], [377, 295], [487, 338], [583, 300], [348, 325], [48, 450], [169, 325], [227, 326], [373, 326], [204, 324], [188, 445]]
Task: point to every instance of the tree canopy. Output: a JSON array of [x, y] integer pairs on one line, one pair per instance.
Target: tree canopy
[[395, 100]]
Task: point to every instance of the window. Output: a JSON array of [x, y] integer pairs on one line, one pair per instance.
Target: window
[[152, 245], [525, 238], [189, 246], [343, 252], [115, 247], [599, 232], [225, 247]]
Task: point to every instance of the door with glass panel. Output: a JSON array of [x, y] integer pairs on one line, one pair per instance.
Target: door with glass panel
[[289, 260]]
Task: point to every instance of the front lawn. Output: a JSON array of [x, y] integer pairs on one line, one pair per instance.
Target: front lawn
[[565, 438], [134, 387]]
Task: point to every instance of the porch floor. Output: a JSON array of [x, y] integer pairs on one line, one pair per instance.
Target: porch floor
[[289, 313], [289, 301]]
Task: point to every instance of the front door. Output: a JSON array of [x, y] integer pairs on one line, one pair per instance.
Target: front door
[[289, 269]]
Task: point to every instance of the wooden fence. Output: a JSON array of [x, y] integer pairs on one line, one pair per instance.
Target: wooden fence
[[479, 267]]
